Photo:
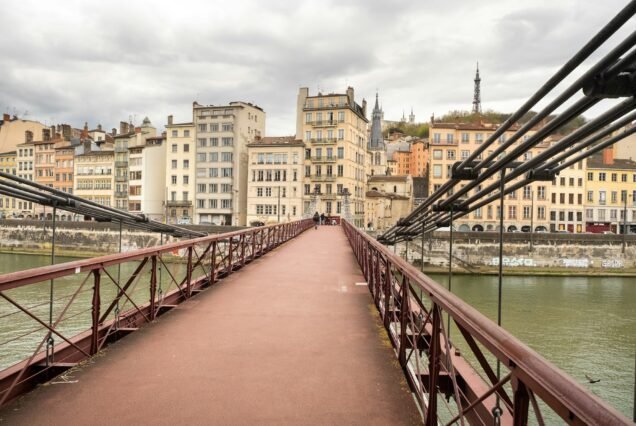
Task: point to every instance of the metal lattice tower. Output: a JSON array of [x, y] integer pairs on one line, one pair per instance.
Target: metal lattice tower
[[477, 94]]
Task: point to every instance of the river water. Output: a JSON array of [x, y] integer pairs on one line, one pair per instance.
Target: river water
[[582, 325]]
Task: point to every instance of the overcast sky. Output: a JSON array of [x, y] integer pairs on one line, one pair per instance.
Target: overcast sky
[[104, 61]]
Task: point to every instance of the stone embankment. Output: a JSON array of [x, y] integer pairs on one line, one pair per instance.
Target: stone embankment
[[559, 254], [80, 239]]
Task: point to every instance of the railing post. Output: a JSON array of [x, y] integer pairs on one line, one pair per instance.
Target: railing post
[[243, 249], [433, 368], [404, 317], [254, 244], [213, 264], [387, 294], [153, 287], [520, 402], [95, 312], [229, 257], [189, 273]]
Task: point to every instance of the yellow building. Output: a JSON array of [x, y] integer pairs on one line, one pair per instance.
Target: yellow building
[[275, 180], [453, 142], [610, 188], [180, 185], [334, 128], [14, 131], [94, 177], [10, 207]]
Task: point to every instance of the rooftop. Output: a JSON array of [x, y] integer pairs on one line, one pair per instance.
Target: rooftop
[[277, 141]]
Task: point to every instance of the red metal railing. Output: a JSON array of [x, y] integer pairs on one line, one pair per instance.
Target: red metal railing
[[413, 308], [64, 321]]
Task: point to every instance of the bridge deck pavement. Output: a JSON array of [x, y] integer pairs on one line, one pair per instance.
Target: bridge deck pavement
[[289, 339]]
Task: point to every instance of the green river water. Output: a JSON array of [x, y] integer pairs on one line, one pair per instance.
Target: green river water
[[582, 325]]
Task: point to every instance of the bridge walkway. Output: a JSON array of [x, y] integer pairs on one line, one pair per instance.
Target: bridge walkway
[[289, 339]]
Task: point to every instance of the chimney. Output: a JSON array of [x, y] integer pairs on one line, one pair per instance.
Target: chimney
[[28, 136], [66, 132], [137, 129], [364, 107], [114, 132], [170, 120], [6, 117], [53, 132], [99, 127], [123, 128], [350, 95], [87, 146], [46, 134], [608, 155]]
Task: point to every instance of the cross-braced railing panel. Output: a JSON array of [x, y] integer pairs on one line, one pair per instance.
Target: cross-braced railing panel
[[447, 350], [53, 317]]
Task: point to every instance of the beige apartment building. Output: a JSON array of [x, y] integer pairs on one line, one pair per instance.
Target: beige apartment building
[[94, 176], [222, 134], [275, 180], [129, 136], [180, 181], [147, 177], [334, 129], [25, 159], [14, 129], [453, 142], [388, 198], [9, 207], [567, 196]]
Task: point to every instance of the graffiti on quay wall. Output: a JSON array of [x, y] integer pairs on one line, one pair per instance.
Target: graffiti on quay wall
[[512, 261], [575, 263], [612, 263]]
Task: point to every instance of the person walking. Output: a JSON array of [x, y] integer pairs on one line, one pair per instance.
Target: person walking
[[322, 219], [316, 220]]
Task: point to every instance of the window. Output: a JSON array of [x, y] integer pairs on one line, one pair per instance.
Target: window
[[201, 187], [226, 156], [173, 179], [175, 133], [214, 157], [341, 116], [213, 172], [614, 196], [614, 177], [226, 172], [541, 212], [173, 164], [450, 154], [203, 127], [624, 177], [226, 127], [589, 214], [590, 196], [186, 164], [202, 142], [174, 147], [601, 176], [601, 214], [186, 147], [590, 176], [465, 154], [340, 152], [479, 137], [186, 179], [437, 154], [186, 133], [602, 197], [465, 138], [527, 192], [541, 192], [201, 157], [526, 212], [437, 170], [308, 117], [227, 141], [226, 204], [340, 170], [341, 137]]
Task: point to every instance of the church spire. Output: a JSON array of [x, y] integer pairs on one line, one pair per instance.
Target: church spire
[[377, 140], [477, 93]]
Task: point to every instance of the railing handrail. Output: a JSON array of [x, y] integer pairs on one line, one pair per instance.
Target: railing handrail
[[29, 276], [553, 386]]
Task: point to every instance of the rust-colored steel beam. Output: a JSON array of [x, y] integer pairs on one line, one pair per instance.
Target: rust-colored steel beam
[[566, 397], [24, 375]]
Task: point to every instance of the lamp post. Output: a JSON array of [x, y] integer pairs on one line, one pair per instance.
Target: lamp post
[[531, 216], [624, 219]]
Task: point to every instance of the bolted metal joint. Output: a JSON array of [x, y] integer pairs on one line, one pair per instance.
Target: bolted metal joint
[[619, 86], [466, 173], [544, 175]]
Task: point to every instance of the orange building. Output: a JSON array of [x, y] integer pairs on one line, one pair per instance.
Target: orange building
[[419, 158], [64, 167]]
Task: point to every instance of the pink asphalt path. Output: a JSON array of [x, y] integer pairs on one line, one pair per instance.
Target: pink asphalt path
[[289, 339]]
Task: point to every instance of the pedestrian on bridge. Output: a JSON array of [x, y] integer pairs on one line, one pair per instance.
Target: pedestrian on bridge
[[316, 220]]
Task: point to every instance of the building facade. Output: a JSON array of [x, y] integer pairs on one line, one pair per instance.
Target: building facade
[[567, 200], [64, 159], [388, 198], [610, 188], [334, 129], [94, 176], [180, 181], [9, 207], [453, 142], [222, 134], [146, 181], [275, 187]]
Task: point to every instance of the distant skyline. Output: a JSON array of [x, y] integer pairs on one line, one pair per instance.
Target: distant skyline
[[103, 62]]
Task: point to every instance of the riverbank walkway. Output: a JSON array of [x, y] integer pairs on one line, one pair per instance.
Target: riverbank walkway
[[292, 338]]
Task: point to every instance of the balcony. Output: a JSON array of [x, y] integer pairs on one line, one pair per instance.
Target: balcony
[[328, 197], [121, 178], [324, 123], [119, 148], [179, 203], [323, 159], [121, 163], [323, 178], [121, 194], [325, 141]]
